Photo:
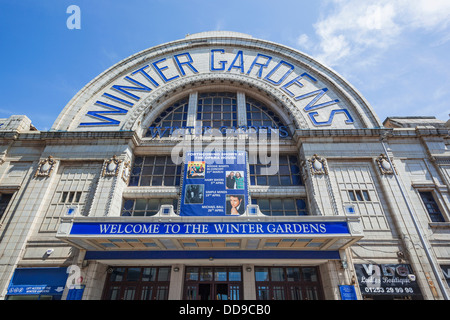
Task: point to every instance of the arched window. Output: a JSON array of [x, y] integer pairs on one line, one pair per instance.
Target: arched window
[[259, 115], [173, 116], [217, 109]]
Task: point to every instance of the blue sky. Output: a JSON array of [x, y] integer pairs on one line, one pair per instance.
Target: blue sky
[[396, 53]]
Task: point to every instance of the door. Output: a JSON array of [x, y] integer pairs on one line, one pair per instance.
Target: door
[[213, 283]]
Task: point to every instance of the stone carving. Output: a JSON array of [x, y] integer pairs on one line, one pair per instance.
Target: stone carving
[[318, 165], [384, 165], [111, 167], [45, 167], [126, 172]]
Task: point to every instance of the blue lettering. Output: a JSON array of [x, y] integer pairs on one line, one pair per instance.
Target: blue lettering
[[283, 132], [98, 115], [296, 81], [312, 116], [123, 89], [222, 63], [188, 62], [146, 75], [318, 95], [261, 65], [112, 97], [239, 56], [282, 62], [161, 69]]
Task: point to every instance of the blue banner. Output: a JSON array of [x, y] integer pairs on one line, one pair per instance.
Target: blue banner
[[210, 228], [214, 184]]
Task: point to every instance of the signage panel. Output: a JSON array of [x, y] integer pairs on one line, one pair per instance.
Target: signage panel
[[347, 292], [210, 228], [214, 184], [387, 279]]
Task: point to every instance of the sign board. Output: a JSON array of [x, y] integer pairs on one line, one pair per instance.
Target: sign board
[[214, 184], [348, 292], [210, 228], [387, 279]]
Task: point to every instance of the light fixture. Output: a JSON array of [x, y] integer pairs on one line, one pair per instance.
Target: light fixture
[[176, 269], [248, 269]]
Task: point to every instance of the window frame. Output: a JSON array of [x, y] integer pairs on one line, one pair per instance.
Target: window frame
[[440, 215]]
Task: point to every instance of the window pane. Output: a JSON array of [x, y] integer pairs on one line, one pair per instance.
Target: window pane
[[234, 274], [261, 274], [192, 273], [164, 274], [117, 274], [277, 274], [133, 274], [220, 274], [148, 274], [205, 274], [293, 274]]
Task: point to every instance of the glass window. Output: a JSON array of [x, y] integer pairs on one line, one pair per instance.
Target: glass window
[[282, 207], [155, 171], [174, 116], [261, 274], [287, 283], [5, 198], [217, 109], [431, 206], [259, 115], [136, 283], [288, 173], [277, 274], [146, 207]]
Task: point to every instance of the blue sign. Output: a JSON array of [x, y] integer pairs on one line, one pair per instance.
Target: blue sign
[[348, 292], [35, 290], [215, 184], [38, 281], [210, 228]]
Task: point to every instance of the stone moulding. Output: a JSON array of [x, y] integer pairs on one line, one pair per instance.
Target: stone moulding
[[111, 167], [384, 165], [318, 165], [45, 167]]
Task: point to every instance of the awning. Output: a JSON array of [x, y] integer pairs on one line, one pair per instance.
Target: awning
[[313, 233], [38, 281]]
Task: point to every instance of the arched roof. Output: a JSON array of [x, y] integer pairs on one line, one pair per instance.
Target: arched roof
[[123, 97]]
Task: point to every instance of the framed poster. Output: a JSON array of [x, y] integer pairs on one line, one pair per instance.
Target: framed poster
[[214, 184]]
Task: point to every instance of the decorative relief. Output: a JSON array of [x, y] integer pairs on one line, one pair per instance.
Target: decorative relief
[[384, 165], [126, 172], [45, 167], [111, 167], [196, 80], [318, 165]]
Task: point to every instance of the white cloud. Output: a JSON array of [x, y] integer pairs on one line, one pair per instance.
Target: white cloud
[[303, 41], [364, 29]]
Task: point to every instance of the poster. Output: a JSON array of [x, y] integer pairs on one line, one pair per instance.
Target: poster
[[214, 184]]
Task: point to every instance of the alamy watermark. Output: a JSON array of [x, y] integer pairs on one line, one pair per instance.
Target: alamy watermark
[[74, 20]]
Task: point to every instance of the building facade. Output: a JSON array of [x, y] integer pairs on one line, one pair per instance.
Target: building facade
[[224, 167]]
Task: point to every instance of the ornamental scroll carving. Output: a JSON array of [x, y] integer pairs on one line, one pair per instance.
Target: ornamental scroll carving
[[45, 167], [318, 165], [126, 172], [384, 165], [111, 167]]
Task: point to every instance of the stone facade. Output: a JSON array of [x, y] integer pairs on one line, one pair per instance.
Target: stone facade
[[379, 179]]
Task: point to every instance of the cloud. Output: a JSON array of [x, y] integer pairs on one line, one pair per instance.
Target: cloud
[[364, 29], [303, 41]]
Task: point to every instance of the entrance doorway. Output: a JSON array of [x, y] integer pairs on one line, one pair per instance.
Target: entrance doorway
[[213, 283]]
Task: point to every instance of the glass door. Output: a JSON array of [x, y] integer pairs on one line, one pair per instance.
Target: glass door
[[213, 283]]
